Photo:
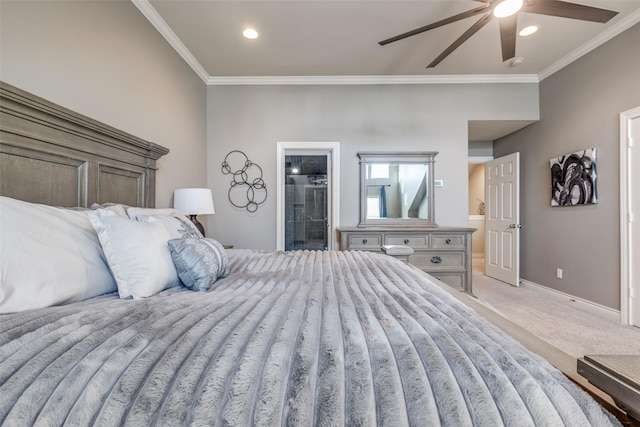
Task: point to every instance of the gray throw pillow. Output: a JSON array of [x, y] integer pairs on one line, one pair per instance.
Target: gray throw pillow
[[199, 262]]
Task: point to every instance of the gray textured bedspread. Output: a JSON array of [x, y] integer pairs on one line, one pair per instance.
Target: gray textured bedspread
[[288, 338]]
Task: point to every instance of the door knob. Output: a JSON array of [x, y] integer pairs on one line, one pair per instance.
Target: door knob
[[515, 225]]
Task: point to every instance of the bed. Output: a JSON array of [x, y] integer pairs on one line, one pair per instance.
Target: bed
[[241, 337]]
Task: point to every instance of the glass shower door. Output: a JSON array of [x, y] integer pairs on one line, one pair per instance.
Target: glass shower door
[[306, 202]]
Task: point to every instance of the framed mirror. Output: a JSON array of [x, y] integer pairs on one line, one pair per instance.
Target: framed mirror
[[396, 189]]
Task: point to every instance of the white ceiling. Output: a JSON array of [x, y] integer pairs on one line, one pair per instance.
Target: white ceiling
[[336, 41], [340, 37]]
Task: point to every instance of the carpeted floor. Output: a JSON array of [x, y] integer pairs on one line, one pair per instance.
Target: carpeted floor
[[559, 321]]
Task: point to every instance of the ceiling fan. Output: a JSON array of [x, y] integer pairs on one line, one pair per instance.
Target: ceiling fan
[[507, 13]]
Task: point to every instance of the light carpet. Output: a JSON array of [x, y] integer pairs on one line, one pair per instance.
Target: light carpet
[[559, 321]]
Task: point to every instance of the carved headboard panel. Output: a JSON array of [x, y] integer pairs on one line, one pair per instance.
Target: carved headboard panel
[[54, 156]]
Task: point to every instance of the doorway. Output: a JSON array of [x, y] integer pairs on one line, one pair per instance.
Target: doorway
[[502, 219], [494, 211], [306, 206], [629, 212], [476, 210], [307, 195]]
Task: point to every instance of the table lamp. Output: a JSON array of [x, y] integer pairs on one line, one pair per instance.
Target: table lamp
[[194, 202]]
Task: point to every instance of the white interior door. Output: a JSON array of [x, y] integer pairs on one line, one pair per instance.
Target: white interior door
[[634, 235], [629, 214], [502, 217]]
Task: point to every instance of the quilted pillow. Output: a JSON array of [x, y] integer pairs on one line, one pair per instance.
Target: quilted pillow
[[137, 254], [48, 256], [199, 262]]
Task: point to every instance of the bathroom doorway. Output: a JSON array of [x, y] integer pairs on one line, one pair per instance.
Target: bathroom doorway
[[306, 205], [308, 195]]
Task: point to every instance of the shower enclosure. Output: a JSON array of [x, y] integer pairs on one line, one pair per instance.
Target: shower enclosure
[[306, 201]]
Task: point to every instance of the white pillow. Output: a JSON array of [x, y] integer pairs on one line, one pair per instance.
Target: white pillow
[[117, 208], [137, 253], [134, 213], [175, 222], [178, 226], [48, 256]]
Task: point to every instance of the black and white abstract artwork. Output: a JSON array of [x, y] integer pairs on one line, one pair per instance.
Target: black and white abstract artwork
[[574, 179]]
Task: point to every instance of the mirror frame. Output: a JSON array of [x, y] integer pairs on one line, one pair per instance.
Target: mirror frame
[[411, 157]]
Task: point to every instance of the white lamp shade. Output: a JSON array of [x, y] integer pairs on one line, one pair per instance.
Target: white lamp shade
[[193, 201]]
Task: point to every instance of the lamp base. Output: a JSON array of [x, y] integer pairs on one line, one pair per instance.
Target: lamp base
[[194, 220]]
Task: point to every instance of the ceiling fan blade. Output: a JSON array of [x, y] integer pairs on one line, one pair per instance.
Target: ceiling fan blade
[[565, 9], [508, 29], [471, 31], [446, 21]]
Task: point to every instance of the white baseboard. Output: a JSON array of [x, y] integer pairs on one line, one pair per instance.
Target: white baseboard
[[595, 308]]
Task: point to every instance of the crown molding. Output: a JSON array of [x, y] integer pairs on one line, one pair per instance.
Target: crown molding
[[373, 80], [600, 39], [163, 28]]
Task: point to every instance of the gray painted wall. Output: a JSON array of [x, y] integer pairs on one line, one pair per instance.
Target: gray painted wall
[[103, 59], [579, 107], [361, 117], [480, 148]]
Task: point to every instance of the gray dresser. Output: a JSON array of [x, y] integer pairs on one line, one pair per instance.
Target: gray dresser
[[443, 252]]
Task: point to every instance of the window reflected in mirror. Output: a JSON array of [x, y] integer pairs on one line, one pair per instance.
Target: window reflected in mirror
[[397, 189]]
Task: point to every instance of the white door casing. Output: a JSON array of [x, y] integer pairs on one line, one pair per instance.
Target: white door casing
[[333, 186], [629, 213], [502, 219]]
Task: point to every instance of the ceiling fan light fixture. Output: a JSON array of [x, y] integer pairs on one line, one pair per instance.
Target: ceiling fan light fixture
[[527, 31], [507, 8], [509, 26], [250, 33]]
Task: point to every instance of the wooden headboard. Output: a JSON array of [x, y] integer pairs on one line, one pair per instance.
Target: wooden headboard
[[54, 156]]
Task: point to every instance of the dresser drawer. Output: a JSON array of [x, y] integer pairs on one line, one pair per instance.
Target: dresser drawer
[[452, 279], [370, 242], [442, 241], [411, 241], [440, 251], [434, 260]]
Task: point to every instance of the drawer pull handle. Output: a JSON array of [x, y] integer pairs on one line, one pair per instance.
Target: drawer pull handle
[[364, 241], [448, 241], [406, 241], [436, 259]]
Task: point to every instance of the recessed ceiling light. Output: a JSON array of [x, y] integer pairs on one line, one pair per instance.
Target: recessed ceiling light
[[250, 33], [507, 8], [527, 31]]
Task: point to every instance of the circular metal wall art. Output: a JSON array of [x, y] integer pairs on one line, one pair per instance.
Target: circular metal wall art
[[247, 189]]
